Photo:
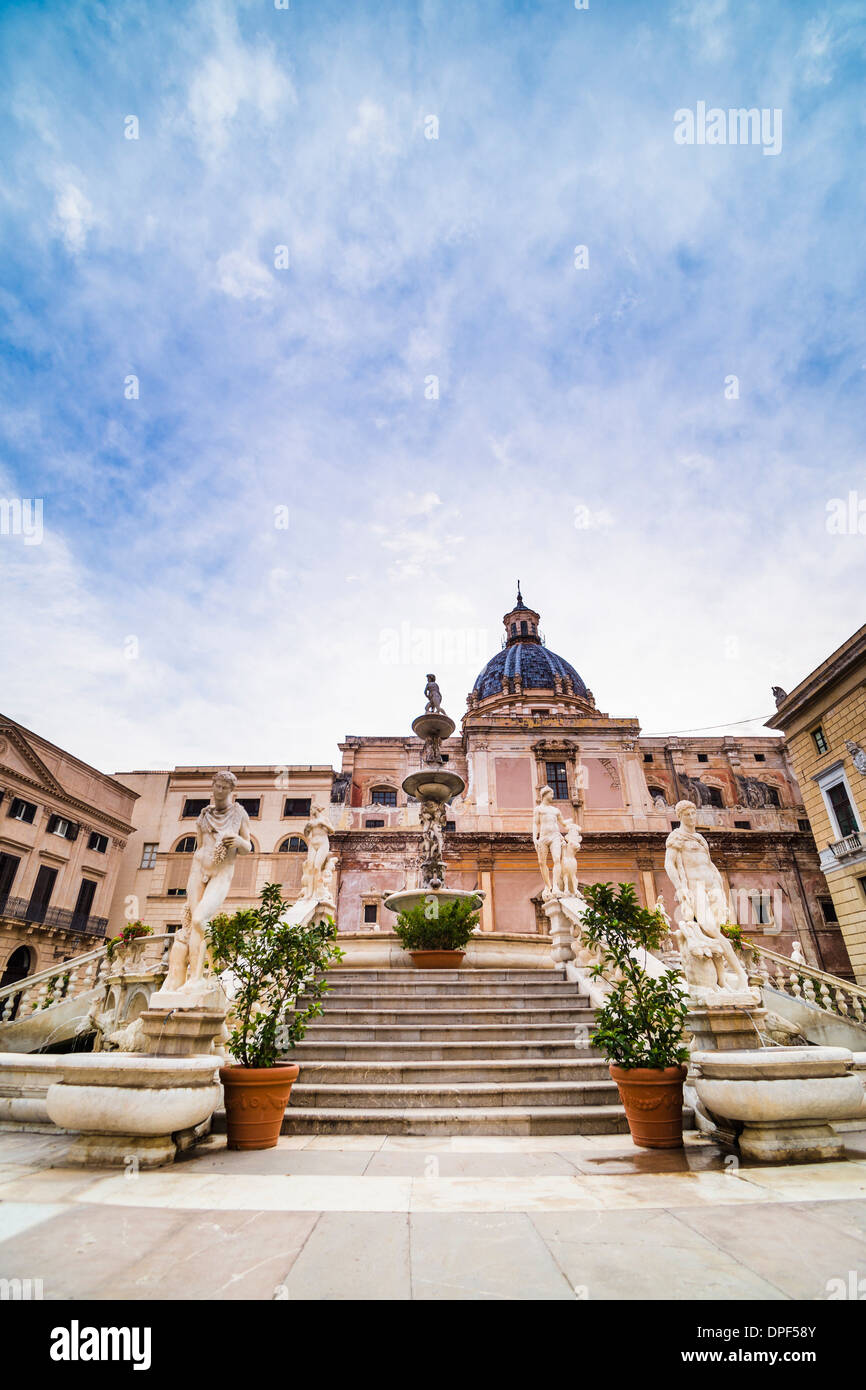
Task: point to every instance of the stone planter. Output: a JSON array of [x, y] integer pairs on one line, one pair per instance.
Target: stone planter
[[782, 1099], [132, 1108], [437, 960]]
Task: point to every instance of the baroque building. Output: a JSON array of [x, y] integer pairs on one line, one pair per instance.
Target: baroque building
[[824, 719], [63, 831], [530, 721]]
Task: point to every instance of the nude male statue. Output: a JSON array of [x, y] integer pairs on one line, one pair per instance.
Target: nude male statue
[[570, 846], [316, 833], [433, 696], [222, 832], [701, 898], [548, 826]]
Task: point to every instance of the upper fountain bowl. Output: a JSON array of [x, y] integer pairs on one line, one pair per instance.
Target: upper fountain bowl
[[433, 725], [432, 784]]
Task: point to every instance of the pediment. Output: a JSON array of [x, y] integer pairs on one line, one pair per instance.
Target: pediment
[[17, 756]]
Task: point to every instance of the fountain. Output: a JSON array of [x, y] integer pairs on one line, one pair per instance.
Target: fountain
[[434, 788]]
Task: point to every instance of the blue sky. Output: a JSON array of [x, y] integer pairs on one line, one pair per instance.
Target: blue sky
[[674, 540]]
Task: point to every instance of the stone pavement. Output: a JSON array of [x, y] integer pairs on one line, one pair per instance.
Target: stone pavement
[[389, 1217]]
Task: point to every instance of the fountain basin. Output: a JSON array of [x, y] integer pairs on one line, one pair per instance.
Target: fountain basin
[[132, 1108], [433, 785], [418, 897], [782, 1098], [433, 724]]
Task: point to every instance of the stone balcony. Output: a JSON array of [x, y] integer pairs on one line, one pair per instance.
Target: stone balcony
[[850, 847]]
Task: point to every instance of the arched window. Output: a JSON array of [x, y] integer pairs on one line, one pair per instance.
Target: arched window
[[18, 966], [524, 628], [293, 845], [186, 845], [383, 796]]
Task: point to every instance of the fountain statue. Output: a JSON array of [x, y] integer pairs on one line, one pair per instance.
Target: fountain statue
[[708, 957], [434, 788]]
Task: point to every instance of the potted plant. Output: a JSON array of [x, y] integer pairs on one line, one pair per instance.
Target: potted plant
[[277, 967], [640, 1025], [435, 932]]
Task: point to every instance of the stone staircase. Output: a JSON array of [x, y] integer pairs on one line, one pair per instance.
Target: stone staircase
[[440, 1052]]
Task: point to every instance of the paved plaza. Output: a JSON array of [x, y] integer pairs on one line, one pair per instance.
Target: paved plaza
[[385, 1217]]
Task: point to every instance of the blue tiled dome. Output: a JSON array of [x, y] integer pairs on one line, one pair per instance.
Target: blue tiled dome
[[534, 663]]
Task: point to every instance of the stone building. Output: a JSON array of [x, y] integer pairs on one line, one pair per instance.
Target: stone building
[[824, 719], [530, 720], [63, 830]]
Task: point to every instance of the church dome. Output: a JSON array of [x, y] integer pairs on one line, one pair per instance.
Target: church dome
[[526, 656]]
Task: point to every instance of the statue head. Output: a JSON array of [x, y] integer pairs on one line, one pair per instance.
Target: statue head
[[687, 812], [546, 794], [224, 784], [430, 676]]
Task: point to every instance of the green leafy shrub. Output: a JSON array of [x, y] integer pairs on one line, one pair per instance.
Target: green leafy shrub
[[438, 925], [641, 1021], [276, 966]]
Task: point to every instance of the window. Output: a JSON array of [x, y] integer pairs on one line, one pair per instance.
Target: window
[[524, 628], [539, 712], [8, 869], [177, 892], [83, 903], [771, 794], [715, 797], [383, 796], [148, 856], [760, 757], [703, 757], [172, 927], [22, 810], [59, 825], [648, 757], [829, 911], [514, 629], [97, 842], [820, 740], [742, 825], [446, 757], [41, 895], [451, 825], [842, 809], [675, 825], [557, 780], [186, 845], [293, 845], [804, 826], [296, 806], [762, 908], [192, 807], [251, 804], [373, 824], [371, 912], [862, 882]]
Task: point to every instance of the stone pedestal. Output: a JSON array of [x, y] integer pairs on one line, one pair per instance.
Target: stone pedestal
[[734, 1025], [184, 1033], [560, 931]]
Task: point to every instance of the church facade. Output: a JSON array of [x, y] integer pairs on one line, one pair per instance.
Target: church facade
[[530, 721]]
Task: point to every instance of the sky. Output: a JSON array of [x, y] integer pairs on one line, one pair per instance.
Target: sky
[[303, 367]]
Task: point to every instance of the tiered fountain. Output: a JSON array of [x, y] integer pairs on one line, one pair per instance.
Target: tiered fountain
[[434, 788]]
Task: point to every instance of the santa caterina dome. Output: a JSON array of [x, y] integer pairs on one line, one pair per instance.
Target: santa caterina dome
[[526, 659]]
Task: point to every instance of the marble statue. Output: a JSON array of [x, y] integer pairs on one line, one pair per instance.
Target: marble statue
[[222, 832], [317, 877], [797, 954], [548, 828], [433, 816], [433, 696], [702, 905], [858, 756], [570, 845]]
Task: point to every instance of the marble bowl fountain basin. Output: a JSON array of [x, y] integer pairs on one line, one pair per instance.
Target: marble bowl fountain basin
[[427, 724], [127, 1093], [433, 785], [779, 1084], [419, 897]]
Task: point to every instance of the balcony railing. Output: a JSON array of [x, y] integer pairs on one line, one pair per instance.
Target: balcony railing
[[22, 910], [850, 845]]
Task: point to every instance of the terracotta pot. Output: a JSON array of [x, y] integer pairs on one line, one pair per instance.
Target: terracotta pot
[[437, 960], [653, 1101], [256, 1099]]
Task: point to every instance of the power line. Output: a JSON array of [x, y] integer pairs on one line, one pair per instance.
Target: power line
[[707, 728]]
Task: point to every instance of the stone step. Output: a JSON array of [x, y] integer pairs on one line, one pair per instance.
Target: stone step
[[398, 974], [317, 1051], [475, 1000], [475, 1095], [460, 989], [322, 1030], [486, 1072], [554, 1119], [567, 1015]]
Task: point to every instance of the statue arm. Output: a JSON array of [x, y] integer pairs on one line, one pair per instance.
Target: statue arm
[[243, 839]]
